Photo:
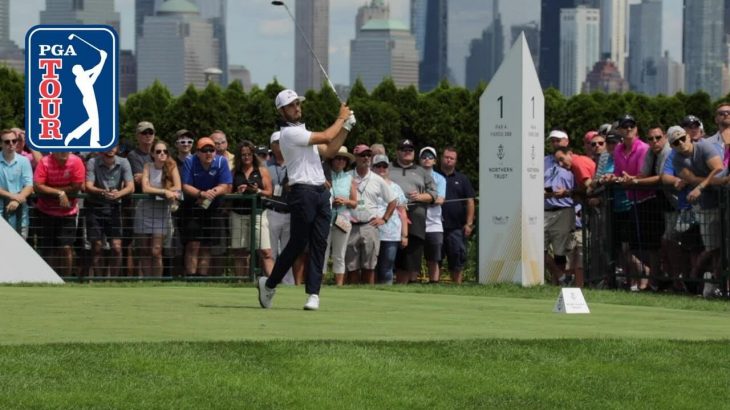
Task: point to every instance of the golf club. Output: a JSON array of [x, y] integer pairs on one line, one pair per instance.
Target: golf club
[[301, 32], [72, 36]]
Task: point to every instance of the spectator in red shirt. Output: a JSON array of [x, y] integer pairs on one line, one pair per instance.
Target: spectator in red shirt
[[56, 176], [581, 166]]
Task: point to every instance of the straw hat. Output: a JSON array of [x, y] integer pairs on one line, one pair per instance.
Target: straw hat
[[344, 153]]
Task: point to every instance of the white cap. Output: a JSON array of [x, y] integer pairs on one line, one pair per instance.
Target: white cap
[[558, 134], [286, 97], [275, 137], [432, 150]]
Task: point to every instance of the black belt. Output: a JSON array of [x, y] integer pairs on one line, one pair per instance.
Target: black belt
[[360, 223], [557, 208], [316, 188], [275, 209]]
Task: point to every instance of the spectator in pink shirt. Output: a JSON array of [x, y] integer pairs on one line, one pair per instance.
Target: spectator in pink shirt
[[628, 157], [56, 176]]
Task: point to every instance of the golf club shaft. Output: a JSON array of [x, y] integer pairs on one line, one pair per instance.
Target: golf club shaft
[[311, 50], [87, 43]]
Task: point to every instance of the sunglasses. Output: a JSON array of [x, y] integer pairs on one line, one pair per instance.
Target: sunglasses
[[10, 142], [381, 165], [207, 150], [723, 113], [653, 138], [680, 140], [147, 132], [160, 151], [365, 155], [185, 142], [597, 143], [428, 157], [405, 149]]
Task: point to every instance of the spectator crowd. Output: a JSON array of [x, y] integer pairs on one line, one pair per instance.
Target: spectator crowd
[[388, 214]]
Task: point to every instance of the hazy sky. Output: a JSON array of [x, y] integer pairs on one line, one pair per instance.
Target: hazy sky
[[261, 36]]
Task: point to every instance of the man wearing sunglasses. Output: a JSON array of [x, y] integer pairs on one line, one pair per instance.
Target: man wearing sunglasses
[[205, 178], [16, 183], [699, 165], [141, 155], [420, 190]]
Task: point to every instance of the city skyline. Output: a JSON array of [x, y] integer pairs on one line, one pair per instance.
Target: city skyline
[[271, 32]]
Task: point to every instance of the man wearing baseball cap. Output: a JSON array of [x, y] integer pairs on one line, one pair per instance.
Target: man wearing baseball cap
[[420, 190], [309, 199], [205, 178], [141, 155], [434, 226]]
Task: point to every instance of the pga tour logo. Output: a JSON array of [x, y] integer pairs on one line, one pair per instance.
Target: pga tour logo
[[71, 87]]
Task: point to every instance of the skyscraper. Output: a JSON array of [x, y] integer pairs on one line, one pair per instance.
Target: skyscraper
[[579, 46], [213, 10], [532, 35], [605, 77], [645, 45], [550, 38], [418, 24], [434, 65], [486, 53], [704, 50], [313, 16], [384, 48], [4, 25], [80, 12], [670, 76], [176, 48], [376, 10], [467, 21], [613, 32]]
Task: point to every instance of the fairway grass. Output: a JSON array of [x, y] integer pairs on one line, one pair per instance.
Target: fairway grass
[[424, 347], [32, 315]]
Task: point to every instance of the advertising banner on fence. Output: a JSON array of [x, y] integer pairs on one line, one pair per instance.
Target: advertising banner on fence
[[71, 86], [511, 146]]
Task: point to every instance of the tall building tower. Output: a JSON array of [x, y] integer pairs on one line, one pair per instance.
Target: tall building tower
[[645, 45], [313, 16], [467, 21], [579, 46], [376, 10], [434, 64], [5, 42], [177, 47], [550, 38], [613, 31], [384, 48], [80, 12], [532, 35], [704, 49], [670, 76], [486, 53], [418, 24], [213, 10]]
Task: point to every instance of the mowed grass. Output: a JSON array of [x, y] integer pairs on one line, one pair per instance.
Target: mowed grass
[[147, 346]]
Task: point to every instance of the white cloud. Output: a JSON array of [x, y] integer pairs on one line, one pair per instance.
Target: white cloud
[[275, 28]]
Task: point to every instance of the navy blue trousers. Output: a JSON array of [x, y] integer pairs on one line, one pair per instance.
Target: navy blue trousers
[[310, 224]]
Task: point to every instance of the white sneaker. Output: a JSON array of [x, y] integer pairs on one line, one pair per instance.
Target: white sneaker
[[312, 303], [266, 295], [709, 290]]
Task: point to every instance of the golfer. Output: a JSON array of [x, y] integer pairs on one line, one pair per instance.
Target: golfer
[[309, 200]]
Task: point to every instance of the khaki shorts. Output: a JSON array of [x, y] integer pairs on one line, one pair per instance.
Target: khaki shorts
[[363, 248], [241, 231], [709, 220], [559, 227]]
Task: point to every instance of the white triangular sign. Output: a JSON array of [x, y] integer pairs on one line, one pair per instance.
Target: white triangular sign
[[571, 300], [21, 263]]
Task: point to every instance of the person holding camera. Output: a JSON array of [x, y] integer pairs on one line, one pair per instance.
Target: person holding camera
[[250, 177]]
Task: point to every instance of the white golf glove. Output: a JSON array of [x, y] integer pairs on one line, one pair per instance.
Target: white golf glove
[[350, 122]]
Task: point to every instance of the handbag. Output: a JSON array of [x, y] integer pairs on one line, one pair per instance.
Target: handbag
[[343, 223]]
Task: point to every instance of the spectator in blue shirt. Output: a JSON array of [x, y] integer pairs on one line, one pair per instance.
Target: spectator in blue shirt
[[205, 178], [16, 183]]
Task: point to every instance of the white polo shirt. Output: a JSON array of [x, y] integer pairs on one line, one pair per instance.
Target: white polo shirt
[[303, 164]]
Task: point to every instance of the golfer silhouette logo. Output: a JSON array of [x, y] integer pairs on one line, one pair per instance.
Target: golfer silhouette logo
[[71, 88], [85, 80]]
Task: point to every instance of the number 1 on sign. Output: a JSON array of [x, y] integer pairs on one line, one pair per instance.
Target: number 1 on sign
[[500, 99]]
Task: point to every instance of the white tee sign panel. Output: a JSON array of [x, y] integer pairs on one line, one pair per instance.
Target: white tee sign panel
[[21, 263], [511, 146], [571, 300]]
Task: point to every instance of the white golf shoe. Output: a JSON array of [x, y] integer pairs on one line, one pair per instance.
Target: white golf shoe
[[312, 303], [266, 295]]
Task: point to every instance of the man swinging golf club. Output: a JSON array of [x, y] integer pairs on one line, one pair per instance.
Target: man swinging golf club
[[85, 80], [309, 200]]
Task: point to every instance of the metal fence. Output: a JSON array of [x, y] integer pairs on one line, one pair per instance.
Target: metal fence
[[144, 237], [642, 237]]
